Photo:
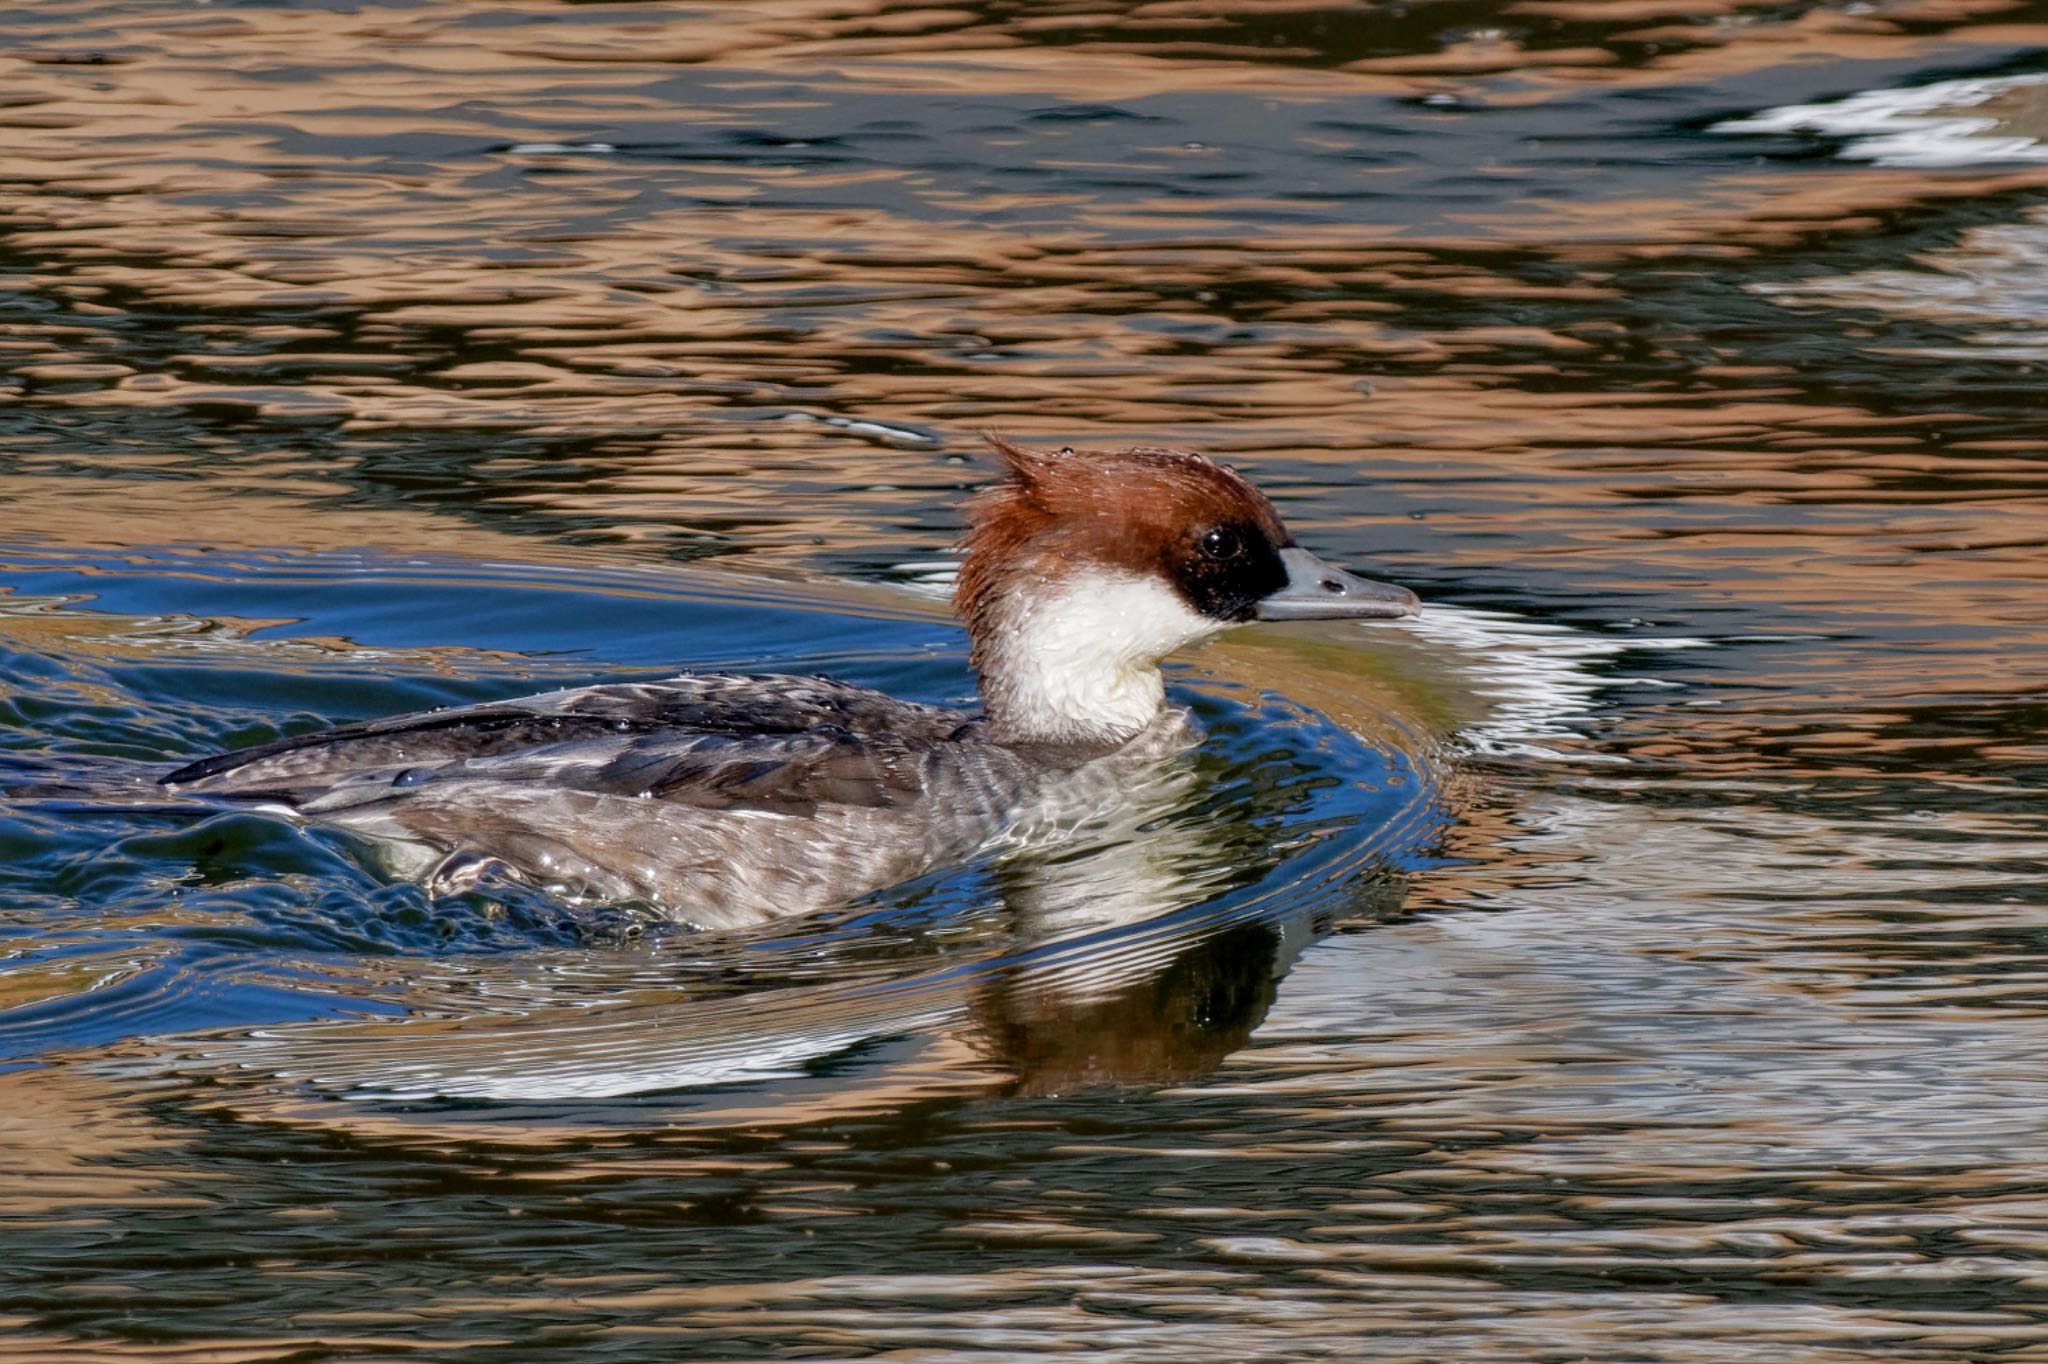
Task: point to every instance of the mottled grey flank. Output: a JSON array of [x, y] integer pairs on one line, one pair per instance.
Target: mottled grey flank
[[718, 799]]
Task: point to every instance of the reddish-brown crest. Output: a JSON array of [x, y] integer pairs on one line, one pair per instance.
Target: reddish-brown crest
[[1140, 510]]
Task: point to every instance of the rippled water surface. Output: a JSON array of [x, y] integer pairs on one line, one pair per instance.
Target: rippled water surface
[[1643, 957]]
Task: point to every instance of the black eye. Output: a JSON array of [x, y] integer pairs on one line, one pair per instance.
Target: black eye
[[1222, 543]]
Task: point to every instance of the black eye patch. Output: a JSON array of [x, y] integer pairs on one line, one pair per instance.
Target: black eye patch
[[1227, 570]]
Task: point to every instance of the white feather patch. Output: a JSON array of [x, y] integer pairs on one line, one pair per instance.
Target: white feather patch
[[1079, 659]]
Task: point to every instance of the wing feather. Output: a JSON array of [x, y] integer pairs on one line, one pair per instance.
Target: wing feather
[[716, 741]]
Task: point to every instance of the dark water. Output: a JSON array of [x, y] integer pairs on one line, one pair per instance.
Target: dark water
[[1645, 957]]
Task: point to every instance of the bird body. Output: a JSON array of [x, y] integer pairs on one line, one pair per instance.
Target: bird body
[[725, 799]]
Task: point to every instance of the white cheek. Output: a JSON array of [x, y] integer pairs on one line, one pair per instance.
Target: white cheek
[[1082, 656], [1133, 621]]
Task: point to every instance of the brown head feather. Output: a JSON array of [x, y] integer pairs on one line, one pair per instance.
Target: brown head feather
[[1141, 510]]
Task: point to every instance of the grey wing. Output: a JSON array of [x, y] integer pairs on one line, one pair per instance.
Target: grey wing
[[715, 740], [790, 773]]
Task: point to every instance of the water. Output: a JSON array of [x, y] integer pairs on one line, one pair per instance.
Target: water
[[1643, 957]]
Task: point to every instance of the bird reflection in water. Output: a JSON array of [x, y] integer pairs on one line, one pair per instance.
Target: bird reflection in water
[[1130, 966]]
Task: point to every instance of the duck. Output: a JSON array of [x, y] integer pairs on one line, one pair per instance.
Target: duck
[[720, 799]]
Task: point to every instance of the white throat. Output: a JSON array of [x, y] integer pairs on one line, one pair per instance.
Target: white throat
[[1077, 659]]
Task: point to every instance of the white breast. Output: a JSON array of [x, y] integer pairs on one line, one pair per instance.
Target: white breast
[[1077, 658]]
